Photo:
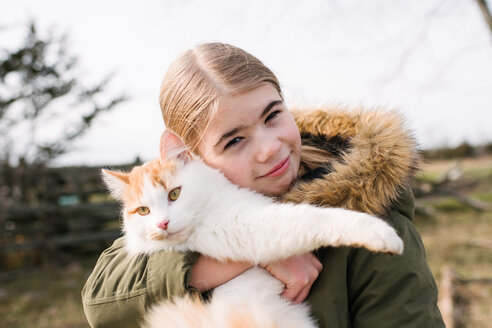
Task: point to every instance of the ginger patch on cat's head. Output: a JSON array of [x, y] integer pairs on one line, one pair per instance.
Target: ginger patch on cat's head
[[128, 187], [155, 171]]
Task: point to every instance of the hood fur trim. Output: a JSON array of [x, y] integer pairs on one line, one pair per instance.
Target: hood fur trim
[[381, 160]]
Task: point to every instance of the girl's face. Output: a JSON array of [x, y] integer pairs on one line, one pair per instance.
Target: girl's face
[[254, 141]]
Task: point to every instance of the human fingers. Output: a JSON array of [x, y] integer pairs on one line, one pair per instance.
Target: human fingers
[[298, 274], [298, 292], [303, 294], [314, 260]]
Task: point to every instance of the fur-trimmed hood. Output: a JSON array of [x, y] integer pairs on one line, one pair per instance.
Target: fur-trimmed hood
[[374, 158]]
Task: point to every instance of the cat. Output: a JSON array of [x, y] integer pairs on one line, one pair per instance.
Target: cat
[[178, 203]]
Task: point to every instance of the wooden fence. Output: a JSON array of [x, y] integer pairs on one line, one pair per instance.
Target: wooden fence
[[71, 213]]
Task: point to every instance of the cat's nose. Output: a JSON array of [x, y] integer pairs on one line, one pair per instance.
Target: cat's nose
[[163, 224]]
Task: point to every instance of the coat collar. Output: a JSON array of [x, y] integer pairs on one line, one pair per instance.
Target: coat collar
[[374, 158]]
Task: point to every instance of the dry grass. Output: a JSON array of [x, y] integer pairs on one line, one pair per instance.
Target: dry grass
[[461, 238], [468, 164], [45, 297]]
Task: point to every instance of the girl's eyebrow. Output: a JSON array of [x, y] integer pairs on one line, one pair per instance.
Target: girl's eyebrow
[[270, 105], [230, 133], [241, 127]]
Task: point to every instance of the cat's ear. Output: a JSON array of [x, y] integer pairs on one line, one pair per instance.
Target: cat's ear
[[172, 146], [116, 182]]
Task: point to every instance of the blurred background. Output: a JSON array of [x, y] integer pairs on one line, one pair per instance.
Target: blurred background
[[79, 86]]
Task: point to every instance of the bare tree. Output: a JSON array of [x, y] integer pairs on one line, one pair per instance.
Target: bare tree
[[487, 15], [44, 106]]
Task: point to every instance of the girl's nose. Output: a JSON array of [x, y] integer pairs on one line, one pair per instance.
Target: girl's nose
[[268, 147]]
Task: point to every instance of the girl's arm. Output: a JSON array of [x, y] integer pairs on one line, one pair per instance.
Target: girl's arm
[[208, 273], [121, 287], [298, 273]]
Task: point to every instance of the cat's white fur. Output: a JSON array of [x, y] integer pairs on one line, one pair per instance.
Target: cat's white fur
[[217, 218]]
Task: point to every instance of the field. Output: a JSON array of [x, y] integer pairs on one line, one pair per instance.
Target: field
[[456, 236], [460, 238]]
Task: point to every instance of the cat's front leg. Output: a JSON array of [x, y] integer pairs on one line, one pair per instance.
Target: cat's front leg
[[364, 230], [294, 229], [269, 232]]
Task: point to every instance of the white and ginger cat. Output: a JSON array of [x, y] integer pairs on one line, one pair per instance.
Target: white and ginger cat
[[179, 203]]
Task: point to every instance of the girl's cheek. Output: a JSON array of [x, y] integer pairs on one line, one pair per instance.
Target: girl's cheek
[[228, 168]]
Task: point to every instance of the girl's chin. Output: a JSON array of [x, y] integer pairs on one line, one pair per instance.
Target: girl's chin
[[277, 189]]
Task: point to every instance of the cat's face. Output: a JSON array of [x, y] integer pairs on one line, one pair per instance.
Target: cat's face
[[150, 196], [254, 141]]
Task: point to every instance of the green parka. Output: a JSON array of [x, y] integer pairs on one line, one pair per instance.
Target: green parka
[[373, 161]]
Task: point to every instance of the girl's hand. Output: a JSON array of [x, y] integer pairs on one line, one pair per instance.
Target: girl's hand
[[298, 273]]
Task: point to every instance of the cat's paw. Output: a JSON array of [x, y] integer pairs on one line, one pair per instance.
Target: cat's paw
[[381, 237]]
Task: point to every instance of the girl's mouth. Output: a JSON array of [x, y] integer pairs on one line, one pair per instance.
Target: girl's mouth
[[279, 169]]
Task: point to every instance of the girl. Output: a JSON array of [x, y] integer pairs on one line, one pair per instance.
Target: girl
[[228, 108]]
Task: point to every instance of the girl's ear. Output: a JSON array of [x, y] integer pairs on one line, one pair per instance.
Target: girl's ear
[[172, 146], [116, 182]]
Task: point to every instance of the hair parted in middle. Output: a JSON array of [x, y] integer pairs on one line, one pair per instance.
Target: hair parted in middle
[[197, 79]]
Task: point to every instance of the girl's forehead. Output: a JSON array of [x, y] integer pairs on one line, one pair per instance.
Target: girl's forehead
[[246, 107]]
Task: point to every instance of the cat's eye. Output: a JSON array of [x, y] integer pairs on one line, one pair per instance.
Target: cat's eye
[[143, 210], [174, 194]]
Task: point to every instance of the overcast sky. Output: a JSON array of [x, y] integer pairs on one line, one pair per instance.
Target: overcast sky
[[430, 59]]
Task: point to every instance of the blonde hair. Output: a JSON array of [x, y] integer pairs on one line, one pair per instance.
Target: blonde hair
[[313, 157], [196, 80]]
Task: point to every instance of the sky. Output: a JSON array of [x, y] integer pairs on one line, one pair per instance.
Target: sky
[[429, 59]]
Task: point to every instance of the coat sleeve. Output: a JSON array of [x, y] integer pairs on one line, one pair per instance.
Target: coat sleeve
[[122, 287], [394, 290]]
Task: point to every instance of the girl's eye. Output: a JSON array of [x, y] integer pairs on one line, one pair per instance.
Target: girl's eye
[[142, 210], [272, 115], [174, 194], [233, 142]]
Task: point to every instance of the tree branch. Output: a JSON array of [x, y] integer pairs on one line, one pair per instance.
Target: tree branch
[[487, 15]]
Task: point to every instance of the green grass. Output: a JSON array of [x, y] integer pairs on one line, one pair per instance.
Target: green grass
[[478, 173], [450, 204], [428, 176], [483, 196]]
